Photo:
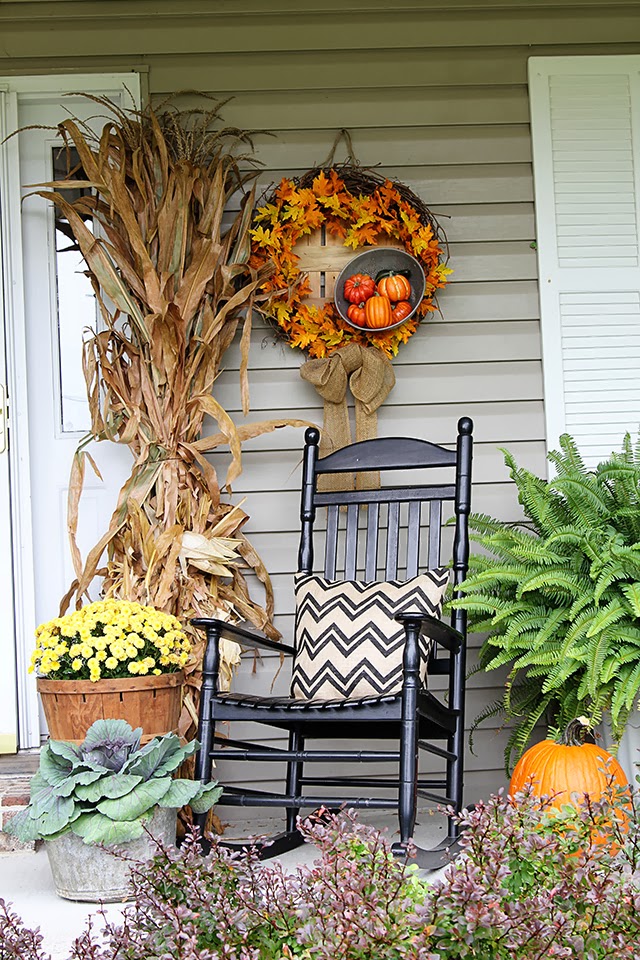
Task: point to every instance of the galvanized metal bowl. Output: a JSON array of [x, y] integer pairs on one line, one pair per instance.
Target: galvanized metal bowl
[[372, 262]]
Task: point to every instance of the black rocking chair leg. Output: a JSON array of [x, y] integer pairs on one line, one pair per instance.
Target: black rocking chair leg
[[294, 772], [454, 784]]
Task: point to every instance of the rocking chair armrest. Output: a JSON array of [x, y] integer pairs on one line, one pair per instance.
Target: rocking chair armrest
[[438, 631], [216, 627]]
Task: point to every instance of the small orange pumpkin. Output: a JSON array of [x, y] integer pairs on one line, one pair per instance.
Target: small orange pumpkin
[[395, 286], [378, 311], [401, 310], [356, 314]]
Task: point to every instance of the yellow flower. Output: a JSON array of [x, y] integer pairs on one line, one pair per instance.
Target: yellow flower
[[77, 664], [111, 663], [86, 650], [157, 672], [133, 666]]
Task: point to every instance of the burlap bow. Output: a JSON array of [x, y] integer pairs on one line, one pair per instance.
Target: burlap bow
[[369, 375]]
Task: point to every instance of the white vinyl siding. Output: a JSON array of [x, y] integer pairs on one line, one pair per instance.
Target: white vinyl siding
[[585, 115]]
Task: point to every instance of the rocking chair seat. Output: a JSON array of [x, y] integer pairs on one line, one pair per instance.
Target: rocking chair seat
[[234, 706], [293, 703]]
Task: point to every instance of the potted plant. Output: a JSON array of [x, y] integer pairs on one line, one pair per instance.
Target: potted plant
[[111, 658], [559, 594], [107, 794]]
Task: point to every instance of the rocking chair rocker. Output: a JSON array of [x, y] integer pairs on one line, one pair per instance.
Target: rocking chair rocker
[[348, 683]]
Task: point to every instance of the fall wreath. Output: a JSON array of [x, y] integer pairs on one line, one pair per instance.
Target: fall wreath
[[362, 209]]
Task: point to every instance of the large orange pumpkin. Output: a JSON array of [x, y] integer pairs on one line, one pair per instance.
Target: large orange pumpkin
[[567, 770]]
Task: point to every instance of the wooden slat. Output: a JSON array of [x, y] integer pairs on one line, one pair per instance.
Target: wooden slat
[[393, 521], [435, 521], [371, 553], [331, 543], [413, 538], [351, 542]]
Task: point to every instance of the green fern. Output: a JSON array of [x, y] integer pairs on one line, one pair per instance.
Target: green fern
[[560, 593]]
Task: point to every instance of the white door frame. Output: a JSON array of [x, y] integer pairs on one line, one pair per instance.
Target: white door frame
[[13, 92]]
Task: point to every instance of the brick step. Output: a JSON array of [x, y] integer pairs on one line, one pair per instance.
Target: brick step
[[15, 782]]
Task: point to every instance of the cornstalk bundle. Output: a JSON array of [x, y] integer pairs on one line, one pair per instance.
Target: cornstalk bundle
[[172, 284]]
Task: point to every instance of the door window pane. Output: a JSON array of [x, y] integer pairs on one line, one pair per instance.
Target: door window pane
[[76, 309]]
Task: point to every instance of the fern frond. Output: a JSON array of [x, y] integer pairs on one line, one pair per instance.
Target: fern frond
[[522, 731], [559, 676], [569, 461], [606, 616], [585, 499], [559, 577], [554, 620], [598, 650], [626, 692], [609, 574]]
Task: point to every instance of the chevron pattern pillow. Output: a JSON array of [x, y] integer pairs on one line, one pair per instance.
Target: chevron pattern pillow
[[348, 643]]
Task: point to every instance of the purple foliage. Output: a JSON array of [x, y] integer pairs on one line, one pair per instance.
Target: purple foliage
[[530, 885]]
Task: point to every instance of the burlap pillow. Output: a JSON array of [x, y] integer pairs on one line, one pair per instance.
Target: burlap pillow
[[348, 643]]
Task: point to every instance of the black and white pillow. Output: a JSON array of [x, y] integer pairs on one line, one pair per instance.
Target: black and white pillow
[[348, 643]]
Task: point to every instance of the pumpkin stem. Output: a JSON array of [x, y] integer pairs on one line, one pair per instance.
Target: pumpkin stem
[[575, 732]]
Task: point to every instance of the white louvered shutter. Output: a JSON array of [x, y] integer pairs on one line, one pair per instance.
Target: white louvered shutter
[[585, 120]]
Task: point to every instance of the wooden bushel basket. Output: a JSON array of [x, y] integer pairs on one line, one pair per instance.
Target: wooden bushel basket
[[151, 702]]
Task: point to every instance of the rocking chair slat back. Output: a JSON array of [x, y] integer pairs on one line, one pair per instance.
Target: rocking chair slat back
[[371, 554], [393, 535], [413, 539], [435, 524], [377, 533]]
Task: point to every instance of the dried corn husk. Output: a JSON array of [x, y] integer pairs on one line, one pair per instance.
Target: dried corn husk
[[172, 285]]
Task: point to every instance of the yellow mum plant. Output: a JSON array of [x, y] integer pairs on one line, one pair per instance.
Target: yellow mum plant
[[110, 639]]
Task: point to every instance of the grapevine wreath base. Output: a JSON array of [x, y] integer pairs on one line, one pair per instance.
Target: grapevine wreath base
[[362, 209]]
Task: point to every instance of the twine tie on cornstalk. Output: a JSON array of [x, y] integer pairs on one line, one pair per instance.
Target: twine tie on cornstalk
[[368, 373]]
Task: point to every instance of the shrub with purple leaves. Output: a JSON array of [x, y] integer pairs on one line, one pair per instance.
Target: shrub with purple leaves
[[529, 885]]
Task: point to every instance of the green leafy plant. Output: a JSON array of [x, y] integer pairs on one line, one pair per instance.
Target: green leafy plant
[[105, 789], [559, 594]]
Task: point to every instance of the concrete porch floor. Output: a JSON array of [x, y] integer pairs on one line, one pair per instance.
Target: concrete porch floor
[[25, 881]]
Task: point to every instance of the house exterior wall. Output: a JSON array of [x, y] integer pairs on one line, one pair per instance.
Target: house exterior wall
[[433, 95]]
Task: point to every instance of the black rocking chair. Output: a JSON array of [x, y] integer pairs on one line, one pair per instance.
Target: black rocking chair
[[367, 533]]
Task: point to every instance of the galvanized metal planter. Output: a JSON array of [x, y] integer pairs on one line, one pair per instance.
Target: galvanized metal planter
[[97, 874]]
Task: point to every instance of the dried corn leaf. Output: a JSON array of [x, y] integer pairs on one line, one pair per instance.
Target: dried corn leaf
[[172, 284]]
